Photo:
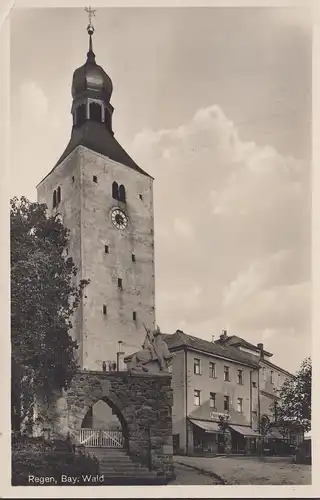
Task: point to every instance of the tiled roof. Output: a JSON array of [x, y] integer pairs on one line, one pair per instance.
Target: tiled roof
[[235, 340], [181, 339], [272, 365]]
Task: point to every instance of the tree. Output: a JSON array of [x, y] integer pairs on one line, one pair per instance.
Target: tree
[[294, 405], [44, 297], [264, 425], [263, 428], [224, 428]]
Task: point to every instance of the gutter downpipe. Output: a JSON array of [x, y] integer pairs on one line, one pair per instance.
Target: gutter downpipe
[[261, 445], [251, 398], [186, 397]]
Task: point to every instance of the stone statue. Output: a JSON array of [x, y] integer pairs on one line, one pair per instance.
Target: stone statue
[[154, 357]]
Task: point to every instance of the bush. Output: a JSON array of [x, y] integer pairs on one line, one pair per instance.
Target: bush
[[39, 462]]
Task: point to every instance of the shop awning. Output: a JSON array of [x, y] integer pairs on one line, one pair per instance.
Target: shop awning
[[212, 427], [245, 431], [274, 434]]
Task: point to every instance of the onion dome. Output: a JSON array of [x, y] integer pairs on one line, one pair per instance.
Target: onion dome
[[91, 80]]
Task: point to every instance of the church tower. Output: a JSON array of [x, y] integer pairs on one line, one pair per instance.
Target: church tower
[[106, 201]]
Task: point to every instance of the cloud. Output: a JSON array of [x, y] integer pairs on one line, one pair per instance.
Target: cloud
[[183, 227], [34, 102], [241, 214]]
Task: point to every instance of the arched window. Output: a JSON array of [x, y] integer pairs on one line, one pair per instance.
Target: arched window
[[81, 114], [122, 193], [95, 112], [115, 190], [59, 194], [54, 199]]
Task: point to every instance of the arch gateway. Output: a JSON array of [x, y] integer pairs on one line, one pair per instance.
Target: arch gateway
[[142, 402]]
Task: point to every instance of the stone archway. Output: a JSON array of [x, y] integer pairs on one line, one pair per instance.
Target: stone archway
[[112, 423], [143, 402]]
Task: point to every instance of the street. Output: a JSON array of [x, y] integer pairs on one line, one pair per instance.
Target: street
[[248, 470], [187, 475]]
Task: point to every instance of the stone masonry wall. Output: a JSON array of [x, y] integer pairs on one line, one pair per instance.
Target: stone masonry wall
[[143, 404]]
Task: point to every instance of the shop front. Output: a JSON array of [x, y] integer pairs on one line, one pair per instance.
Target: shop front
[[281, 444], [207, 437], [244, 440]]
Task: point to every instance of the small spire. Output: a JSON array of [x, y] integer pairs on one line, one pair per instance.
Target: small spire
[[90, 29]]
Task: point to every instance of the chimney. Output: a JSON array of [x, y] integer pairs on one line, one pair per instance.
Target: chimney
[[212, 338], [224, 335], [260, 346]]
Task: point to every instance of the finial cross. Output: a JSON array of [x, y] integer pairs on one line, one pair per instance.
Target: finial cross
[[91, 13]]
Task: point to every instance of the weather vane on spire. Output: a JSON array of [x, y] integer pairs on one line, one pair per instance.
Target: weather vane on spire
[[90, 30], [91, 14]]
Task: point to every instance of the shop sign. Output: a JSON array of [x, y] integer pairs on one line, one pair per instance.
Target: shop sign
[[215, 415]]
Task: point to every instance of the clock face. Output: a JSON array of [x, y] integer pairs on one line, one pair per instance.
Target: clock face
[[119, 218]]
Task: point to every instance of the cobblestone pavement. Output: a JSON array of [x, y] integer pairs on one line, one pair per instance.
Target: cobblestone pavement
[[251, 470], [187, 475]]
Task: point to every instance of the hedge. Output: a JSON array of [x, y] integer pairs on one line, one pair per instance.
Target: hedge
[[34, 458]]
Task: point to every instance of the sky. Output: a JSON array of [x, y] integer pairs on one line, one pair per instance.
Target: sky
[[214, 103]]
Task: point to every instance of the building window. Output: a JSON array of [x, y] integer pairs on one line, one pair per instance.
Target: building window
[[226, 403], [240, 377], [264, 374], [140, 196], [106, 249], [115, 190], [227, 374], [254, 384], [133, 257], [122, 193], [104, 309], [73, 178], [196, 366], [59, 194], [54, 199], [212, 370], [271, 377], [239, 405], [212, 399], [196, 397], [95, 178], [120, 283], [134, 316]]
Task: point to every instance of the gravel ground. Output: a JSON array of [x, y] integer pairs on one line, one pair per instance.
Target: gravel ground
[[251, 470], [187, 475]]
